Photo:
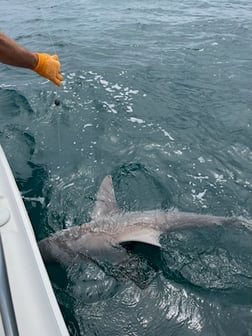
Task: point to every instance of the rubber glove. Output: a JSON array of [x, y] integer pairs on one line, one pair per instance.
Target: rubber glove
[[48, 66]]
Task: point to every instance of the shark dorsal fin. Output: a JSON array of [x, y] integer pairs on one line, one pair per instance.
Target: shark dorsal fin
[[105, 199], [142, 235]]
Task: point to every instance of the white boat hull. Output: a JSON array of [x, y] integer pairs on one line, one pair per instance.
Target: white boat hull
[[31, 303]]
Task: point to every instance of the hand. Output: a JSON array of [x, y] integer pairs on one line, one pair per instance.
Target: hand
[[48, 66]]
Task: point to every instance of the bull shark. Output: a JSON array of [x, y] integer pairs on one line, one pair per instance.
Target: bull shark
[[111, 229]]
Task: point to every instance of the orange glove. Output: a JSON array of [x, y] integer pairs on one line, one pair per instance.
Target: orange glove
[[49, 67]]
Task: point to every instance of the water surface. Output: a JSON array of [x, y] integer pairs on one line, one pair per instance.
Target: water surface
[[158, 94]]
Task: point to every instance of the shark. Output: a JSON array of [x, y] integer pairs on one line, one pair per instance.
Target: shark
[[111, 229]]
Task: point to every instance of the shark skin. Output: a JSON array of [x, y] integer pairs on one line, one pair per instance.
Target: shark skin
[[111, 229]]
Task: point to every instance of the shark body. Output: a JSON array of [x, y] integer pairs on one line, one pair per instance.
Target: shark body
[[110, 229]]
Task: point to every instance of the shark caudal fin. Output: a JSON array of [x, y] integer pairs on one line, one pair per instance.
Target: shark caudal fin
[[105, 199]]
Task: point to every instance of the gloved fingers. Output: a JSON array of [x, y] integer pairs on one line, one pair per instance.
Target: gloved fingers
[[57, 81], [59, 76], [49, 67], [56, 57]]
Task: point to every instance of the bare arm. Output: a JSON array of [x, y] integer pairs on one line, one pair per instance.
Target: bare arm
[[45, 65], [12, 53]]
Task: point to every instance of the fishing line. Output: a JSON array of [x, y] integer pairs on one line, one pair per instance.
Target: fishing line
[[52, 44], [57, 100]]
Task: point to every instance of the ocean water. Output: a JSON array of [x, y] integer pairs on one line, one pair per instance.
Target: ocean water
[[159, 95]]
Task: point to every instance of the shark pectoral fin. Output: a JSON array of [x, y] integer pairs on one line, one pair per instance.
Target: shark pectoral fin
[[105, 199], [142, 235]]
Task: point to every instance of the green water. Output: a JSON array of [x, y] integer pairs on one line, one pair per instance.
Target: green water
[[158, 94]]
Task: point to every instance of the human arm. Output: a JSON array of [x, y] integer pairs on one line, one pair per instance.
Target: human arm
[[45, 65], [12, 53]]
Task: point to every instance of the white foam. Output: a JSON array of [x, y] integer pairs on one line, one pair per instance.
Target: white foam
[[85, 126], [104, 82], [166, 133], [219, 178], [137, 120], [133, 91], [68, 185], [116, 86], [109, 90], [178, 152], [199, 197], [201, 159], [129, 109], [199, 177], [110, 107]]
